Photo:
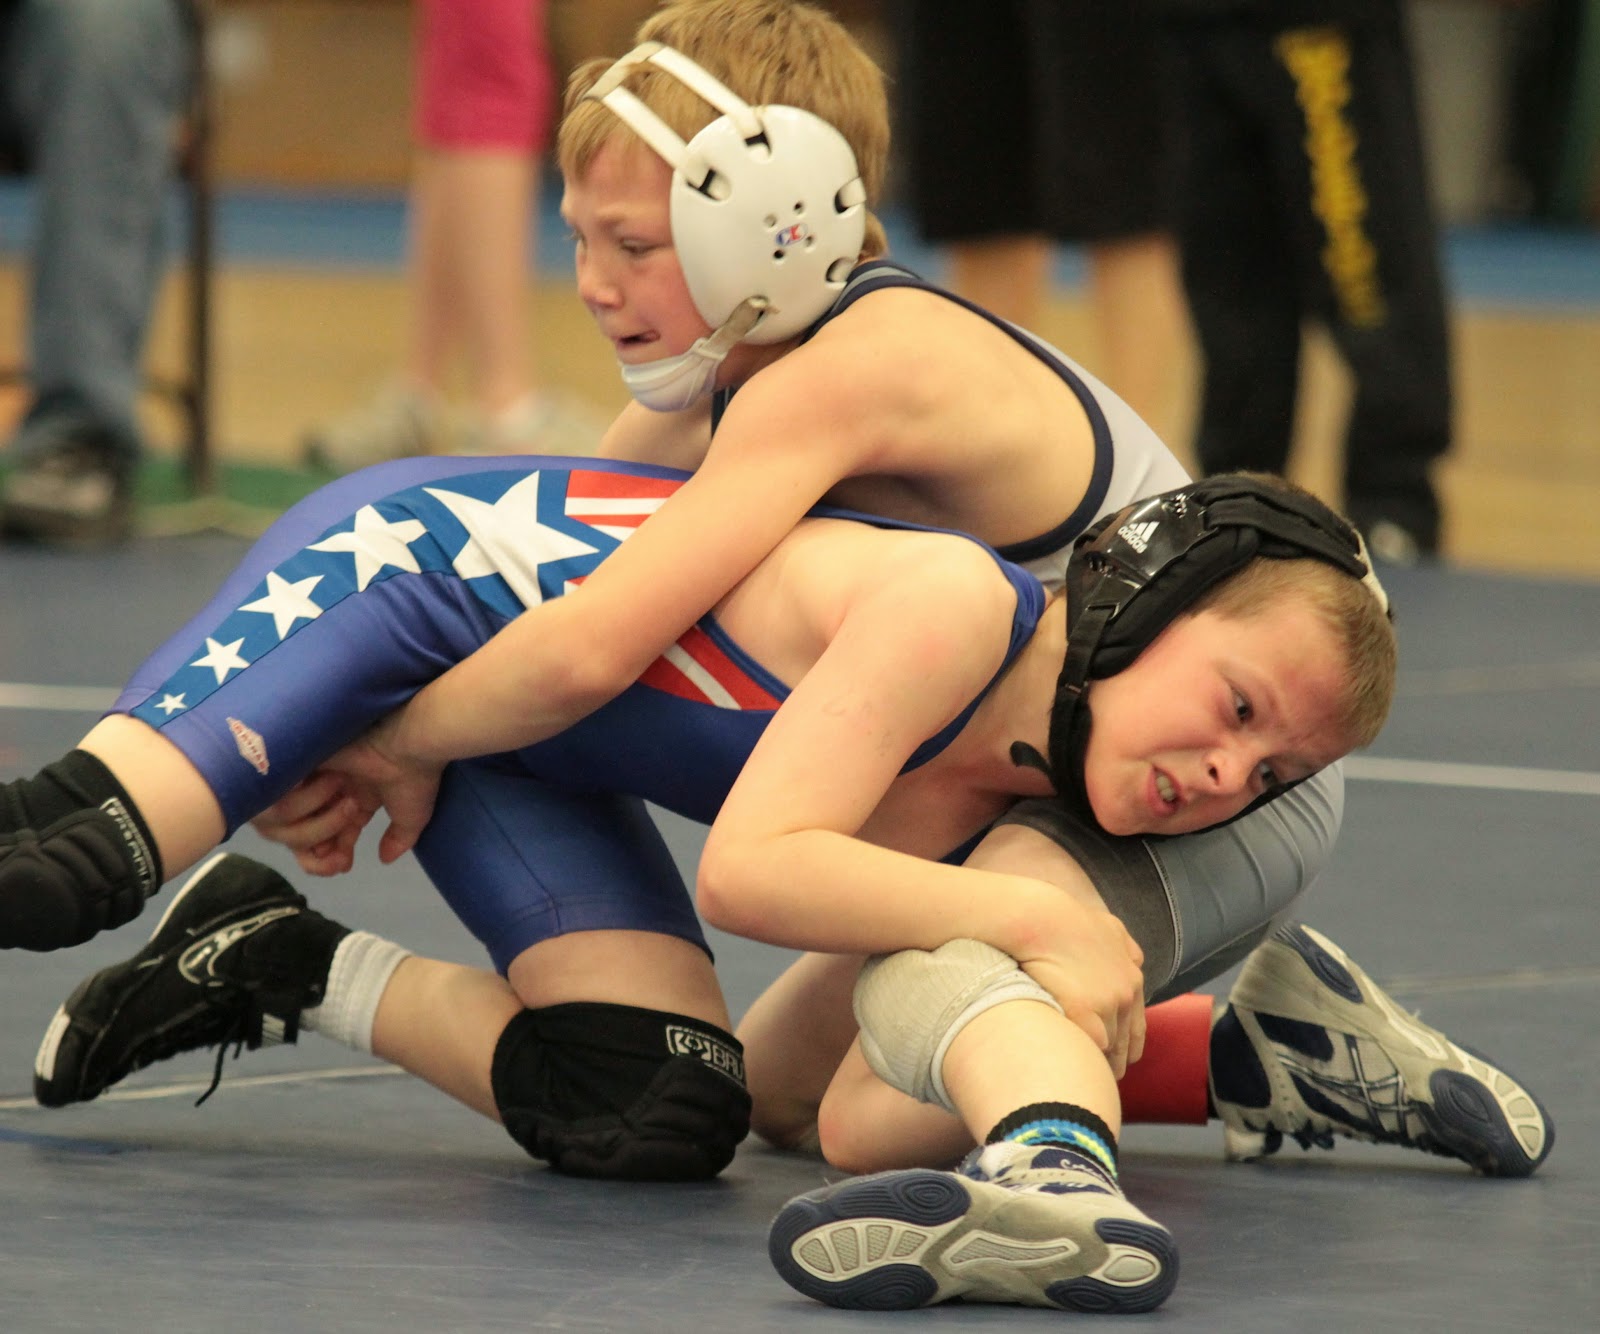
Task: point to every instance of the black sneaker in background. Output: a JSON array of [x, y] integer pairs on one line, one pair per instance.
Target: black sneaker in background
[[77, 493]]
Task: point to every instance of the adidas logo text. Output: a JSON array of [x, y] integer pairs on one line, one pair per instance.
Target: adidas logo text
[[1138, 535]]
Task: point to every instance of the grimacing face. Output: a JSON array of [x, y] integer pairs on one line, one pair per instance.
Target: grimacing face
[[1217, 710], [627, 267]]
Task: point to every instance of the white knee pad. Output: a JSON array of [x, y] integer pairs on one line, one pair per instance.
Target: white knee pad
[[911, 1005]]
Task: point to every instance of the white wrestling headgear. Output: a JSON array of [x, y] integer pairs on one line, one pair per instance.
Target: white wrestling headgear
[[768, 210]]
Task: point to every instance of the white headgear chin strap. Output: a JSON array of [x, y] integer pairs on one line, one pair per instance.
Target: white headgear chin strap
[[671, 384]]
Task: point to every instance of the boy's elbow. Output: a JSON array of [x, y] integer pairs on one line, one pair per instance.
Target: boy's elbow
[[584, 677], [711, 896], [719, 888], [602, 671]]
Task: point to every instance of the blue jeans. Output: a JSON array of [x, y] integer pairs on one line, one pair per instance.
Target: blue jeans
[[91, 92]]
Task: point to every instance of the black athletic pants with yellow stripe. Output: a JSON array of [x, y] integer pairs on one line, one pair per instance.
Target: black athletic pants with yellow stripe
[[1304, 198]]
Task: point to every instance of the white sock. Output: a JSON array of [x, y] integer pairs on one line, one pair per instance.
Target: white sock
[[361, 969]]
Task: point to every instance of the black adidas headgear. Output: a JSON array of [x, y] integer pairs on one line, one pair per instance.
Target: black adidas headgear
[[1136, 571]]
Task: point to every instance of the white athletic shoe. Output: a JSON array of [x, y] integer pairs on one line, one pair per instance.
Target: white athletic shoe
[[397, 423], [1309, 1046], [1026, 1224], [551, 421]]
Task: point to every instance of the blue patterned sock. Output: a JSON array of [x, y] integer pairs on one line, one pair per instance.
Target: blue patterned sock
[[1061, 1125]]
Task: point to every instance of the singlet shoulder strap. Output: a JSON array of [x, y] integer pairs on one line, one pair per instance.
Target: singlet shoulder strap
[[870, 276], [876, 274]]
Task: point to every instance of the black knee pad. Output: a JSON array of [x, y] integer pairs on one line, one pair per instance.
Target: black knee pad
[[76, 857], [69, 881], [602, 1090]]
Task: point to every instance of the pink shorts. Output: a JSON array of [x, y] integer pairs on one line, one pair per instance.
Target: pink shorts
[[483, 75]]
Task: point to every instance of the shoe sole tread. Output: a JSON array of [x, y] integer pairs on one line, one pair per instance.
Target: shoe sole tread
[[902, 1240]]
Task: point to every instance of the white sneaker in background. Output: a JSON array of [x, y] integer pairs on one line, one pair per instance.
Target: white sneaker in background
[[399, 422], [548, 421]]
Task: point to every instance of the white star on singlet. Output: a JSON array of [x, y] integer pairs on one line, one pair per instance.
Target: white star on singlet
[[287, 603], [170, 704], [221, 658], [376, 543], [506, 538]]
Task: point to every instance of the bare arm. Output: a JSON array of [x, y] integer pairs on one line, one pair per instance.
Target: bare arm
[[783, 862], [670, 439], [559, 661]]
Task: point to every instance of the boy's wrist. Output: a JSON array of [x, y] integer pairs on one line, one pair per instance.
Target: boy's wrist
[[397, 738], [1020, 915]]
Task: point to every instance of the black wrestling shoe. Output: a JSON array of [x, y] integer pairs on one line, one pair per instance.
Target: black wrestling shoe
[[75, 495], [231, 963], [1309, 1046]]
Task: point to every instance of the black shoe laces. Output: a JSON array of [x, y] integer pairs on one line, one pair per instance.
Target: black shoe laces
[[247, 1033], [244, 1034]]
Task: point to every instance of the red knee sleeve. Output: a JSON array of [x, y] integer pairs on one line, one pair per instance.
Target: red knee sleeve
[[1168, 1085]]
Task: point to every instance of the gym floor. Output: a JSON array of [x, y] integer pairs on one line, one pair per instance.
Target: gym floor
[[318, 1191]]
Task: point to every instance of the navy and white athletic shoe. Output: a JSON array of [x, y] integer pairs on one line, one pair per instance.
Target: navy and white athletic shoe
[[1025, 1224], [1309, 1046]]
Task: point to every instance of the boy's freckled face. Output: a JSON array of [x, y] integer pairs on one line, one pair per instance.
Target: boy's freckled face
[[627, 269], [1208, 717]]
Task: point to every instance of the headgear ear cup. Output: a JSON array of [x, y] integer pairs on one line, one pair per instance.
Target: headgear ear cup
[[766, 203]]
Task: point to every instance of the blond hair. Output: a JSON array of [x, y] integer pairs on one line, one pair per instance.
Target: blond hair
[[781, 52], [1347, 607]]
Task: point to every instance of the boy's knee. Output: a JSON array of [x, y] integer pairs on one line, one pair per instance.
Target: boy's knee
[[912, 1004], [789, 1124], [615, 1091]]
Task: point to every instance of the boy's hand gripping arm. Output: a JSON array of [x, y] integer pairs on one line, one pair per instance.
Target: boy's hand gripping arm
[[797, 856]]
